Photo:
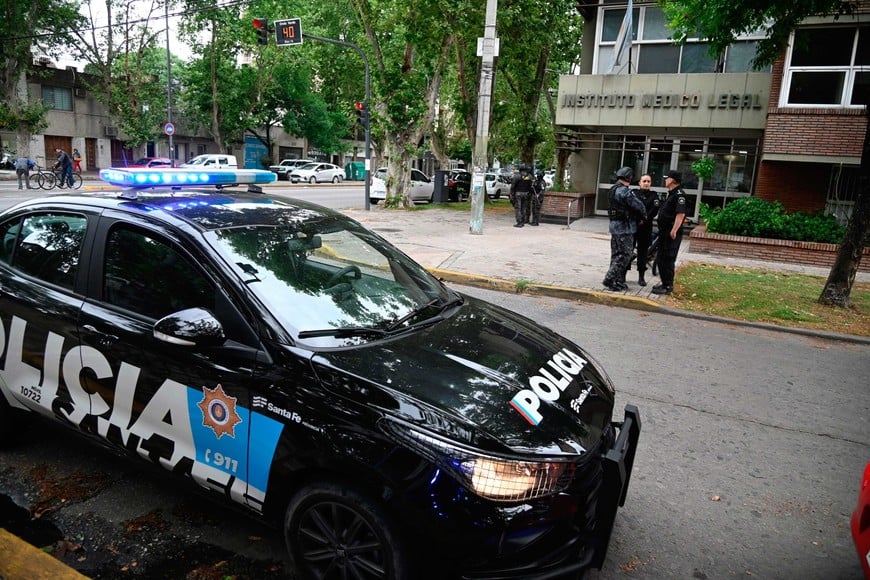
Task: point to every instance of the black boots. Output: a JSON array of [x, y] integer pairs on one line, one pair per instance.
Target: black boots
[[640, 279]]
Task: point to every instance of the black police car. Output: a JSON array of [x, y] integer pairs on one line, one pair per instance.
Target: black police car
[[285, 358]]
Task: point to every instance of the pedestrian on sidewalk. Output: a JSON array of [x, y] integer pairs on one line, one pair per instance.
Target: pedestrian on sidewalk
[[520, 194], [672, 214], [23, 165], [624, 211], [77, 161], [643, 237]]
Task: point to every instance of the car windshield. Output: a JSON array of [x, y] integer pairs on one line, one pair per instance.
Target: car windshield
[[330, 282], [143, 161], [308, 167]]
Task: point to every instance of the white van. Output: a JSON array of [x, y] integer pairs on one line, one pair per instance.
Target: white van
[[213, 161]]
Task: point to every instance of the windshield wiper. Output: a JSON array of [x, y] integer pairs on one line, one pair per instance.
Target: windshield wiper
[[343, 332], [393, 326]]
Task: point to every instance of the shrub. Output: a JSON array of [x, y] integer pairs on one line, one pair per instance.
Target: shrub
[[755, 217]]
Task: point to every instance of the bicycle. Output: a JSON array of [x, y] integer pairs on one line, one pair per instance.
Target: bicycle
[[61, 183], [41, 178]]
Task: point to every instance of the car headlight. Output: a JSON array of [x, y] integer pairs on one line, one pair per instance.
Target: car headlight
[[508, 480], [501, 479]]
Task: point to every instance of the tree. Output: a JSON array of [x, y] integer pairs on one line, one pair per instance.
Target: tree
[[720, 21], [409, 43], [26, 28], [129, 66]]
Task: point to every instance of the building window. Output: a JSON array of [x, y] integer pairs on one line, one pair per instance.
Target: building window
[[58, 98], [653, 51], [825, 67], [843, 187]]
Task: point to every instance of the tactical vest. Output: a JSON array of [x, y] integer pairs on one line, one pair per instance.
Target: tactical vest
[[616, 210]]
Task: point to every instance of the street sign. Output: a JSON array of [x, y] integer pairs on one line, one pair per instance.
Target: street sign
[[169, 129], [288, 31]]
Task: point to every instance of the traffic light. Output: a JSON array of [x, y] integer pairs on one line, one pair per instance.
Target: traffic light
[[261, 26], [362, 114]]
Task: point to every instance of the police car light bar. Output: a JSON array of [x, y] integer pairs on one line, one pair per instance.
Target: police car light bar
[[184, 177]]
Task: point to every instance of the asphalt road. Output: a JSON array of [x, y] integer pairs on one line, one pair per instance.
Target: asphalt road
[[752, 448]]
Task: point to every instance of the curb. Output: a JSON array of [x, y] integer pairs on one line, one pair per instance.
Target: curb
[[623, 301], [22, 560]]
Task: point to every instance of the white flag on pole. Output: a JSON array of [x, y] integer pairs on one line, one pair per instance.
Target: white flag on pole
[[622, 48]]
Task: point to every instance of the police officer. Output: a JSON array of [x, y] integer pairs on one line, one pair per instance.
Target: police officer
[[537, 198], [520, 194], [643, 237], [624, 212], [671, 216]]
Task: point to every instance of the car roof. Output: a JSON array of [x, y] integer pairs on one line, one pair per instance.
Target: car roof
[[202, 209]]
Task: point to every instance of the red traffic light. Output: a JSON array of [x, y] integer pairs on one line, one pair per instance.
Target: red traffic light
[[261, 26], [359, 105]]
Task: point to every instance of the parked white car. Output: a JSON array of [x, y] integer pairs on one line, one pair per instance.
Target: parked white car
[[317, 173], [213, 161], [283, 169], [422, 188], [497, 185]]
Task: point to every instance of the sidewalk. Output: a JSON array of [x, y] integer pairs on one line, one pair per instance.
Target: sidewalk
[[550, 259]]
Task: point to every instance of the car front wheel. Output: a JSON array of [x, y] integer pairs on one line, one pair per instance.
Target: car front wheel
[[337, 531], [312, 180], [336, 179]]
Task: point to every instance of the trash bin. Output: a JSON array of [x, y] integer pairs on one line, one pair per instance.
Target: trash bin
[[355, 171], [439, 195]]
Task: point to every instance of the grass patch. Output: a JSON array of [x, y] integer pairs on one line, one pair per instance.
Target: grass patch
[[785, 299]]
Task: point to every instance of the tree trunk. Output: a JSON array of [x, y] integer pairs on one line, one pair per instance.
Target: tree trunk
[[838, 287]]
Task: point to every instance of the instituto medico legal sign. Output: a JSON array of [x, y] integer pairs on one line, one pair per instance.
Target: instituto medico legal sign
[[727, 100]]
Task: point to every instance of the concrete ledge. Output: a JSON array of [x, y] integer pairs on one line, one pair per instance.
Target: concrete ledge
[[18, 559], [791, 251]]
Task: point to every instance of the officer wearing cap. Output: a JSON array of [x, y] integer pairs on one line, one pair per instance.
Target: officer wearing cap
[[624, 210], [671, 217]]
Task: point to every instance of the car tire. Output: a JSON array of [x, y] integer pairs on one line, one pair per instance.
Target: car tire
[[497, 194], [327, 522], [336, 179], [313, 180]]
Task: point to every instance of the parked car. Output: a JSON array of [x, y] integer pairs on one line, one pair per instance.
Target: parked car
[[422, 188], [458, 185], [317, 173], [497, 185], [213, 161], [283, 169], [861, 523], [283, 358], [151, 162]]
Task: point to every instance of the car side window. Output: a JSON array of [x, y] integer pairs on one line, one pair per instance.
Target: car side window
[[46, 246], [151, 277]]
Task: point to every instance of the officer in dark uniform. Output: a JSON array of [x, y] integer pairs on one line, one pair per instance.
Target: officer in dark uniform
[[537, 198], [520, 194], [671, 217], [624, 211], [643, 237]]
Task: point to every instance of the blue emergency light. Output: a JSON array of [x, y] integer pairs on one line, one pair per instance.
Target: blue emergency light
[[184, 177]]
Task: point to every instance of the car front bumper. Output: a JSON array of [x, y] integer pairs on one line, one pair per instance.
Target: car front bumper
[[557, 536]]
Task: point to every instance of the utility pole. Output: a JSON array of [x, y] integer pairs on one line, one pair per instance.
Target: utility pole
[[487, 47], [169, 88]]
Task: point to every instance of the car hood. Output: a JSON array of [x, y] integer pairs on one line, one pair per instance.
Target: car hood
[[485, 377]]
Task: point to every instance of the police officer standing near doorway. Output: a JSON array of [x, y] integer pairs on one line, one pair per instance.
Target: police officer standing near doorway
[[671, 217], [520, 194], [624, 211], [643, 238]]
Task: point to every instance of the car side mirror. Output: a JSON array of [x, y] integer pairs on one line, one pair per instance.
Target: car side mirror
[[190, 327]]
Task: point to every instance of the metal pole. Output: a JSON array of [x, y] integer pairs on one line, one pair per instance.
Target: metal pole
[[168, 84], [488, 49], [368, 162]]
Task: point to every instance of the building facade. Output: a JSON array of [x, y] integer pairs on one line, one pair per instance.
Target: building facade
[[791, 132]]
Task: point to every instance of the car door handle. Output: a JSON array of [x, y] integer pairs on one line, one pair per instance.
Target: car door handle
[[103, 339]]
